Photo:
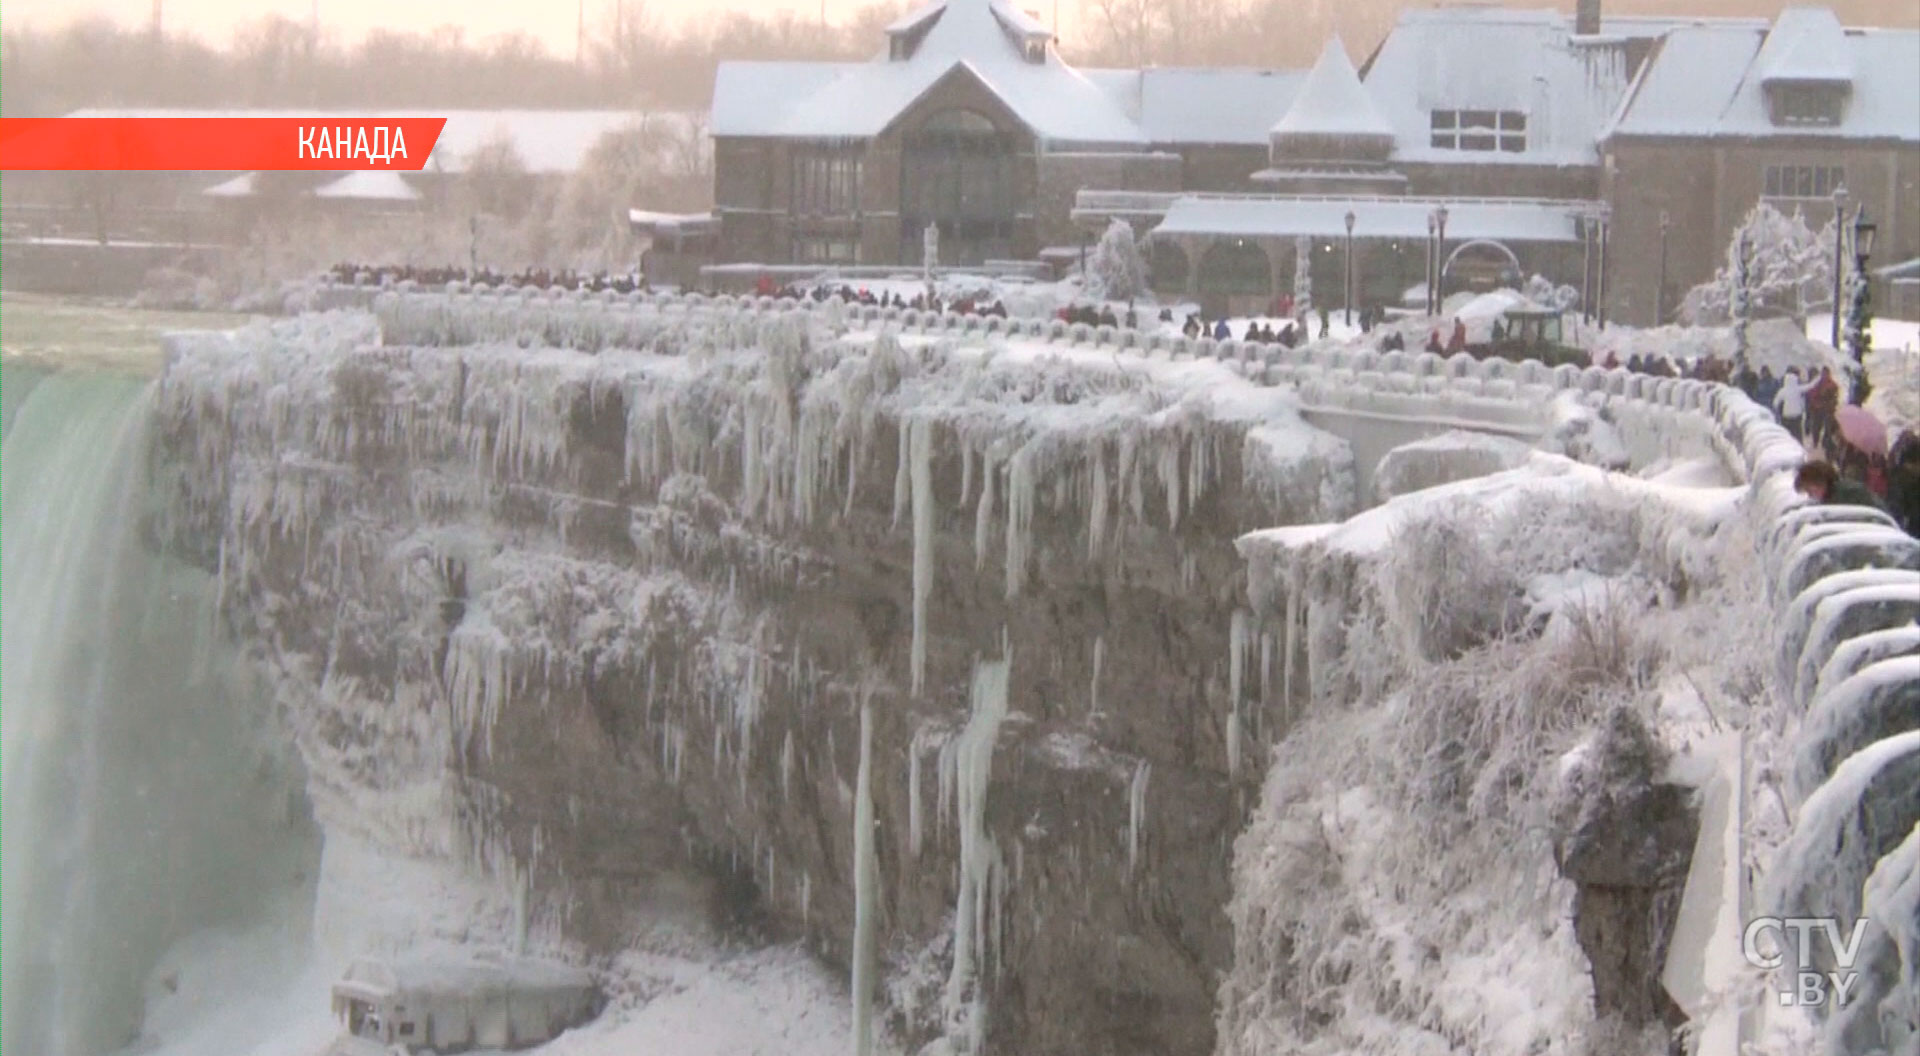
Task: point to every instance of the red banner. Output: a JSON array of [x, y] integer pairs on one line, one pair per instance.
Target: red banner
[[269, 144]]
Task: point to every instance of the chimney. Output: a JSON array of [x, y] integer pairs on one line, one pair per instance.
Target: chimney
[[1586, 18]]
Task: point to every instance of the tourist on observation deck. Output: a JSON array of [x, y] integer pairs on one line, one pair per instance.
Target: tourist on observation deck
[[1822, 483]]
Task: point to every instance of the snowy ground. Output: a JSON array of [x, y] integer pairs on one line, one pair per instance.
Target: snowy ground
[[265, 992]]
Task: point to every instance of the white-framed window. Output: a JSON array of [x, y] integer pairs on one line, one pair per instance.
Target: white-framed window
[[1816, 182], [1818, 105], [1479, 130]]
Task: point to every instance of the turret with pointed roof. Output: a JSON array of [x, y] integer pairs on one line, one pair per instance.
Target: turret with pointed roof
[[1333, 116]]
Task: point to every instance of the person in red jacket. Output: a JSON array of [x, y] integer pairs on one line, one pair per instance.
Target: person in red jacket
[[1823, 403]]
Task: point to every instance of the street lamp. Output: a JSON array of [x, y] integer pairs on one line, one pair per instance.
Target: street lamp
[[1349, 290], [1433, 226], [1440, 262], [1839, 241], [1660, 295], [1859, 324]]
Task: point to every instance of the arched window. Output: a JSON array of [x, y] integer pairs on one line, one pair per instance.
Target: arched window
[[1167, 266], [1236, 268], [957, 173]]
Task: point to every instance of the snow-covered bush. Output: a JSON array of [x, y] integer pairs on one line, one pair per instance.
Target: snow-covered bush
[[1116, 270]]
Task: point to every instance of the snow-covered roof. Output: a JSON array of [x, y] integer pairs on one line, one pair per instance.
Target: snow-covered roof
[[984, 39], [1332, 102], [380, 186], [1505, 220], [1567, 87], [672, 223], [548, 141], [463, 976], [241, 186], [1806, 44], [1216, 106], [1710, 80]]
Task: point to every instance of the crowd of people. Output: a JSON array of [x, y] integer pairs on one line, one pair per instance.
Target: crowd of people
[[535, 278]]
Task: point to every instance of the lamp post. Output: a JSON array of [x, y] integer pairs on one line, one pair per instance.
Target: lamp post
[[1600, 268], [1349, 289], [1433, 227], [1660, 294], [1440, 262], [1859, 323], [1839, 241]]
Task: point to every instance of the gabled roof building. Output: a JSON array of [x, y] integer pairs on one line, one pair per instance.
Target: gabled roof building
[[1523, 140], [967, 120]]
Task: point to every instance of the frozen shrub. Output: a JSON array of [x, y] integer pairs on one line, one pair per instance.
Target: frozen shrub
[[1116, 270]]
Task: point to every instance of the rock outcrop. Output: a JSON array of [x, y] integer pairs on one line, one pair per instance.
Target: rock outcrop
[[602, 622]]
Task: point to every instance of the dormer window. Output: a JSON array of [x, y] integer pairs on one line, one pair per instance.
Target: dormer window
[[1036, 50], [1816, 105]]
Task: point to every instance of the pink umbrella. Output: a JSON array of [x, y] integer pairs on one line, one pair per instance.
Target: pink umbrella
[[1862, 429]]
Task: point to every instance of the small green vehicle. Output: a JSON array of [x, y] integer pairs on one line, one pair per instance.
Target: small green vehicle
[[1523, 333]]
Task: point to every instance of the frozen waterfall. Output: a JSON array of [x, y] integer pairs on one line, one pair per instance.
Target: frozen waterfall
[[141, 804]]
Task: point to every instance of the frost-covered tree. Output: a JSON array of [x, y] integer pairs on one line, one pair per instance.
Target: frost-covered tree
[[1302, 276], [1116, 270], [1775, 265], [497, 180], [1542, 291], [1858, 334]]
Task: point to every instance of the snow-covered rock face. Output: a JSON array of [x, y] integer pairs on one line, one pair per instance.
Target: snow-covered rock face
[[595, 623], [1398, 889]]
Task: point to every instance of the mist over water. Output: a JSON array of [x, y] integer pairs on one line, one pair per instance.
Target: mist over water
[[144, 799]]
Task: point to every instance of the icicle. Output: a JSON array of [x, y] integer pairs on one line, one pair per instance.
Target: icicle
[[1233, 743], [983, 516], [806, 899], [978, 855], [1020, 483], [915, 826], [1130, 471], [865, 881], [1170, 480], [1097, 505], [1296, 585], [1266, 665], [1136, 812], [1236, 655], [966, 473], [786, 767], [751, 486], [922, 486], [1099, 661], [854, 451], [902, 476]]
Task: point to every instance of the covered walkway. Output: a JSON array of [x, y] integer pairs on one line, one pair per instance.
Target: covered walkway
[[1240, 253]]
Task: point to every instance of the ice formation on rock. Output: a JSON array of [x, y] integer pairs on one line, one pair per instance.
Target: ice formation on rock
[[976, 914], [866, 881]]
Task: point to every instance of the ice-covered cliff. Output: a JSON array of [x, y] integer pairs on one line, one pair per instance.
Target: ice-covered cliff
[[599, 616]]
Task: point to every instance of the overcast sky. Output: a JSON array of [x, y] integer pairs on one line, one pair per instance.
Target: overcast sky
[[553, 21]]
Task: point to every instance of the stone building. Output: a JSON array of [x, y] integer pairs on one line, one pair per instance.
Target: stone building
[[971, 122], [1557, 159], [1728, 114]]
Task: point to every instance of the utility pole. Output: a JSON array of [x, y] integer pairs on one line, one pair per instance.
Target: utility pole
[[580, 37], [156, 19]]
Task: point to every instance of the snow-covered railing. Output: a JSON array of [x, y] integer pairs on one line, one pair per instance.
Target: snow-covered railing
[[1508, 395]]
